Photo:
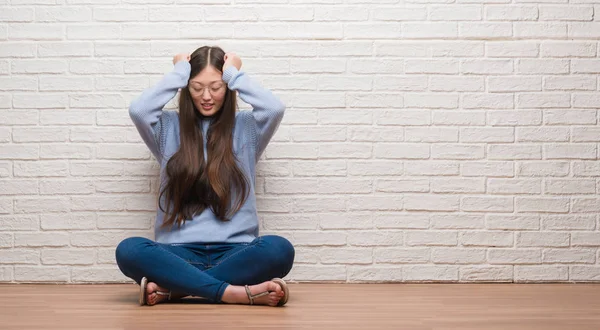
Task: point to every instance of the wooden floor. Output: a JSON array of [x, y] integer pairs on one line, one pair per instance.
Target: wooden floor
[[313, 306]]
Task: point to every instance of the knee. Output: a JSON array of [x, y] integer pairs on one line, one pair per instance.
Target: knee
[[281, 249], [129, 248]]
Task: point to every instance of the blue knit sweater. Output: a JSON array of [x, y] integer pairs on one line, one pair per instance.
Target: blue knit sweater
[[252, 131]]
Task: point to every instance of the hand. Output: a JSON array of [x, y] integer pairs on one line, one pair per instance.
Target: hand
[[181, 57], [232, 59]]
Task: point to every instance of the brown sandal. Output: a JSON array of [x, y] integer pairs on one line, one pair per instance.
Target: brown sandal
[[282, 284], [142, 298]]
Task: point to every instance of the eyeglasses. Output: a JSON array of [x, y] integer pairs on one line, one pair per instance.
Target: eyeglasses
[[213, 89]]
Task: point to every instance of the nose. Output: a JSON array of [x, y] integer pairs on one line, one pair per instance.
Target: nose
[[206, 95]]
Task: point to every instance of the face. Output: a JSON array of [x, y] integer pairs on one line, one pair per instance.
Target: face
[[208, 89]]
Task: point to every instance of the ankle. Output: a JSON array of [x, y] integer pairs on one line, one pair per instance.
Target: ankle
[[233, 294]]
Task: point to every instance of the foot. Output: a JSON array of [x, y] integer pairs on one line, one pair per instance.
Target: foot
[[153, 298], [235, 294]]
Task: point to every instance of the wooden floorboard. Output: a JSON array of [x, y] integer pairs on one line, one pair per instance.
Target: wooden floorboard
[[313, 306]]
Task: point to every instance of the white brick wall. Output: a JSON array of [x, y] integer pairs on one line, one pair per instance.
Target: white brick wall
[[426, 141]]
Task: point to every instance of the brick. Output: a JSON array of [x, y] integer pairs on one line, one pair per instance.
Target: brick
[[570, 151], [401, 151], [486, 274], [428, 273], [585, 239], [541, 273], [432, 168], [376, 134], [568, 49], [372, 30], [458, 255], [316, 205], [320, 238], [542, 66], [455, 84], [584, 273], [474, 135], [585, 134], [41, 274], [454, 221], [463, 185], [457, 151], [512, 222], [485, 30], [487, 101], [514, 186], [570, 256], [514, 256], [41, 239], [401, 255], [569, 222], [431, 202], [346, 255], [586, 168], [580, 83], [19, 256], [375, 238], [375, 203], [406, 117], [569, 186], [97, 274], [566, 13], [407, 185], [511, 13], [374, 273], [490, 169], [487, 66], [540, 30], [542, 204], [543, 134], [331, 221], [367, 168], [68, 221], [429, 30], [514, 84], [64, 14], [401, 221], [292, 221], [542, 239], [63, 187], [515, 118], [487, 239], [455, 13], [586, 205], [318, 273], [569, 117], [514, 151], [431, 238]]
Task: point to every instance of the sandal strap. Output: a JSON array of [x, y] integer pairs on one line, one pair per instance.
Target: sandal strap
[[164, 294], [251, 297], [249, 294]]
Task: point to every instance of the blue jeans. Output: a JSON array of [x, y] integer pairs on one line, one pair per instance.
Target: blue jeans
[[205, 270]]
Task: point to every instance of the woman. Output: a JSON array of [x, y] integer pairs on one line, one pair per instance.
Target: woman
[[207, 242]]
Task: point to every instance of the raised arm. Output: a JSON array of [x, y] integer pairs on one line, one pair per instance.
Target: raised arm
[[147, 109], [267, 109]]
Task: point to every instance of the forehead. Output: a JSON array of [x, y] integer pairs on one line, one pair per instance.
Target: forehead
[[207, 76]]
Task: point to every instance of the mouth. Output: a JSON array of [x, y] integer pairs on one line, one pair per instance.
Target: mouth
[[207, 106]]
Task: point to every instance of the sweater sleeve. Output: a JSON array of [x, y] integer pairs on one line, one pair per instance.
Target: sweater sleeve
[[267, 109], [146, 110]]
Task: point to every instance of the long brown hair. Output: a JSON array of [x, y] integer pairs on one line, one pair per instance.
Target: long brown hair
[[195, 183]]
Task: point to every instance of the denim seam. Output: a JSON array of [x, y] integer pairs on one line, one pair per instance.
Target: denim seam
[[239, 251]]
